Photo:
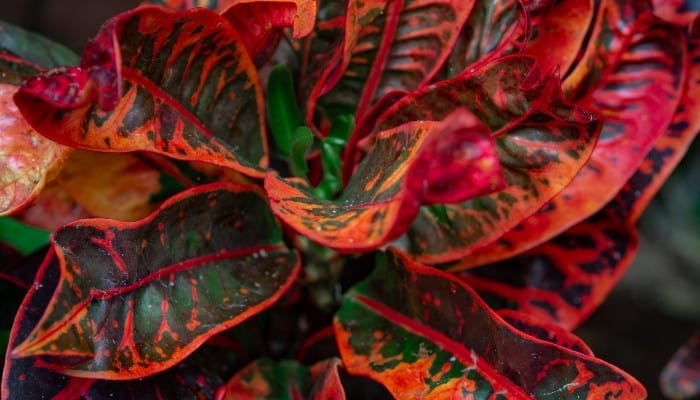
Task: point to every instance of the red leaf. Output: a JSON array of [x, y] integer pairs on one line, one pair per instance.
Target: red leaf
[[136, 298], [386, 46], [27, 160], [259, 22], [266, 379], [558, 33], [680, 378], [679, 12], [636, 99], [542, 141], [417, 163], [424, 334], [175, 83]]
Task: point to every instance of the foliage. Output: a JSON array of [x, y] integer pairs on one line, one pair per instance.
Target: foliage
[[327, 199]]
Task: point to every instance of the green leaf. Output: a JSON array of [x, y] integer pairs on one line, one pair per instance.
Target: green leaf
[[302, 139], [282, 108], [34, 48], [23, 238]]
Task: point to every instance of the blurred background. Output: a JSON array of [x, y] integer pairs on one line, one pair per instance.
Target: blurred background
[[649, 315]]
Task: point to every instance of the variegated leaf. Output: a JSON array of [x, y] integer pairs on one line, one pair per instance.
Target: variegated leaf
[[416, 163], [136, 298], [424, 334], [175, 83], [636, 95], [542, 142]]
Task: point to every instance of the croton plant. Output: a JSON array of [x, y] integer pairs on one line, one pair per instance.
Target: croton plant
[[289, 199]]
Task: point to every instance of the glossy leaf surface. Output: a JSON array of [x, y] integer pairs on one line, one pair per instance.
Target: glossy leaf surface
[[28, 378], [387, 46], [681, 377], [542, 142], [152, 291], [285, 380], [175, 83], [27, 160], [636, 99], [424, 334], [417, 163]]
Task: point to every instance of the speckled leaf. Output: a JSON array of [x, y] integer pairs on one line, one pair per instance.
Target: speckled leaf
[[680, 379], [395, 45], [542, 142], [136, 298], [565, 279], [492, 30], [176, 83], [424, 334], [27, 160], [284, 380], [29, 379], [416, 163], [636, 99]]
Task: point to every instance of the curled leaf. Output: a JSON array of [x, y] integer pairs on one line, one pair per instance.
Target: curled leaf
[[417, 163], [136, 298], [176, 83]]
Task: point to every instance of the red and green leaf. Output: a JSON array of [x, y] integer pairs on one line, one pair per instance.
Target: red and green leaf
[[493, 29], [417, 163], [424, 334], [27, 160], [386, 46], [26, 53], [285, 380], [542, 142], [680, 379], [136, 298], [27, 378], [636, 97], [175, 83]]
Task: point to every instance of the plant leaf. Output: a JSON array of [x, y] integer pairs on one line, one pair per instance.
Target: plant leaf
[[27, 160], [122, 188], [285, 380], [386, 46], [679, 12], [261, 22], [492, 30], [542, 142], [558, 33], [34, 49], [636, 99], [419, 162], [680, 378], [136, 298], [174, 83], [424, 334], [27, 378]]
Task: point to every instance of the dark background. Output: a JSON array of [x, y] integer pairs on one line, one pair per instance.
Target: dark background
[[648, 316]]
